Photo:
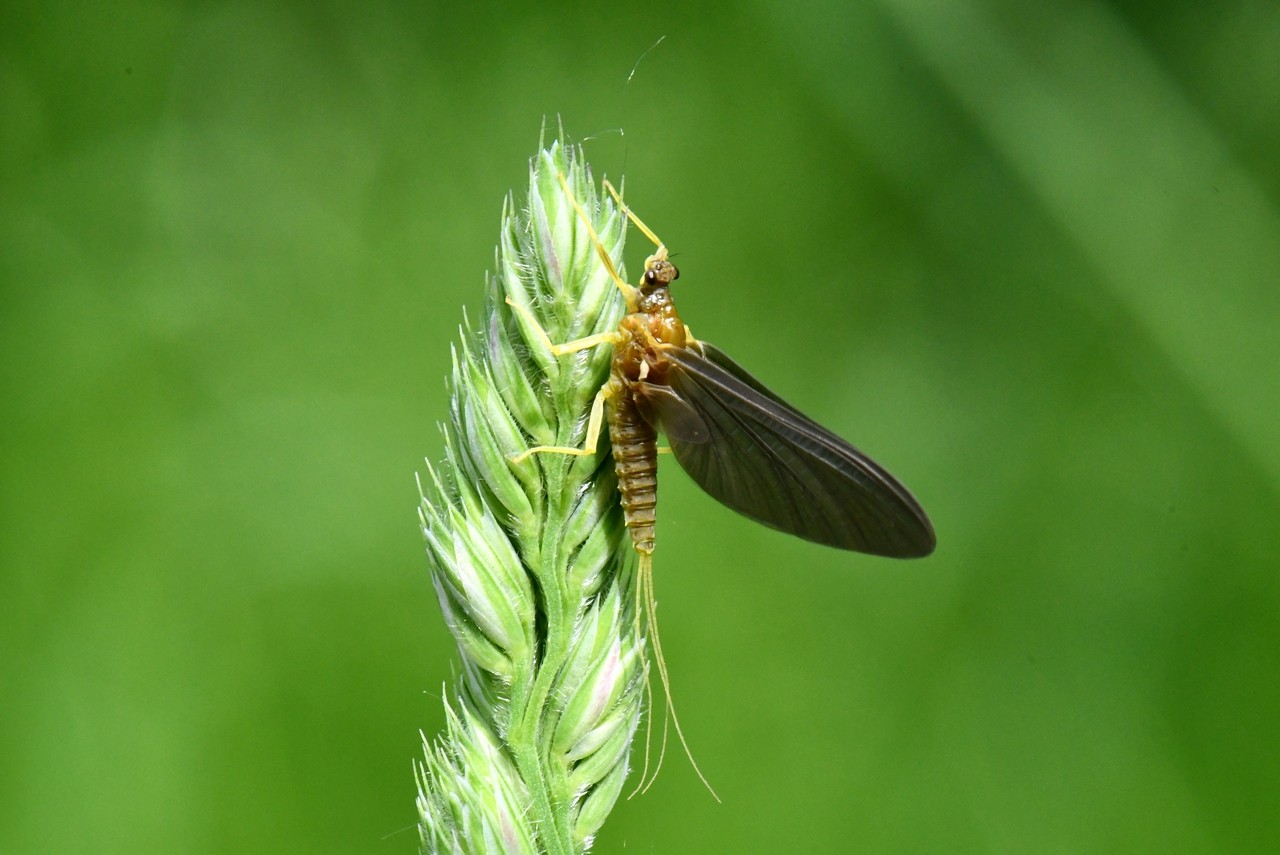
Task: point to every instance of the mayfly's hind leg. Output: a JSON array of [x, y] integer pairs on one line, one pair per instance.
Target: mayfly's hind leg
[[628, 291], [589, 445]]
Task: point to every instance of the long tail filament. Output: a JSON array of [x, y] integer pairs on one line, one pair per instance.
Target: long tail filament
[[646, 602]]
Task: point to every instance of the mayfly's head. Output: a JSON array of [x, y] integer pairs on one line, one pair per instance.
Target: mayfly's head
[[658, 272]]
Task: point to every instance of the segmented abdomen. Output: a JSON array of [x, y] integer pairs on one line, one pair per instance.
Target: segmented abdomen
[[635, 460]]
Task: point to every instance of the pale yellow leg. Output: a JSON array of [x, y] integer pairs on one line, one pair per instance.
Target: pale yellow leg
[[648, 232], [628, 291], [596, 419], [592, 441], [569, 346]]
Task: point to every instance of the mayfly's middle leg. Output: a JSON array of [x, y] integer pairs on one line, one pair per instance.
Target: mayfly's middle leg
[[567, 347]]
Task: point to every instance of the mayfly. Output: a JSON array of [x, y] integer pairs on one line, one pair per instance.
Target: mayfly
[[739, 441]]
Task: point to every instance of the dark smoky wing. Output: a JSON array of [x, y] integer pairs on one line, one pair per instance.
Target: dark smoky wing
[[662, 408], [769, 461]]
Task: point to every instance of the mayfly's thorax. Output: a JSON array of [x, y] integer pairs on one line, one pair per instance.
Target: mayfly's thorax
[[644, 336]]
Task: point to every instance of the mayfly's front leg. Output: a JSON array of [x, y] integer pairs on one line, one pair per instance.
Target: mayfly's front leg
[[628, 292], [659, 254], [648, 232], [596, 419]]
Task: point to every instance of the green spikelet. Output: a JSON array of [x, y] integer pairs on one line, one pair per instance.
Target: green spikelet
[[530, 561]]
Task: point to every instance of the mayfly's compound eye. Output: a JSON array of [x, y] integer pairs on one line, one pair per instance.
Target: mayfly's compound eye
[[650, 277]]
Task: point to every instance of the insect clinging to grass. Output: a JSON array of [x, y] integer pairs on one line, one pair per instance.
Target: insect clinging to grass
[[738, 440]]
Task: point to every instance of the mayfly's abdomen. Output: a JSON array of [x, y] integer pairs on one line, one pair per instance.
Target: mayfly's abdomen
[[635, 460]]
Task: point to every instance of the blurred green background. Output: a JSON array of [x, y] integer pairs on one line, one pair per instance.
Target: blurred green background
[[1026, 254]]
